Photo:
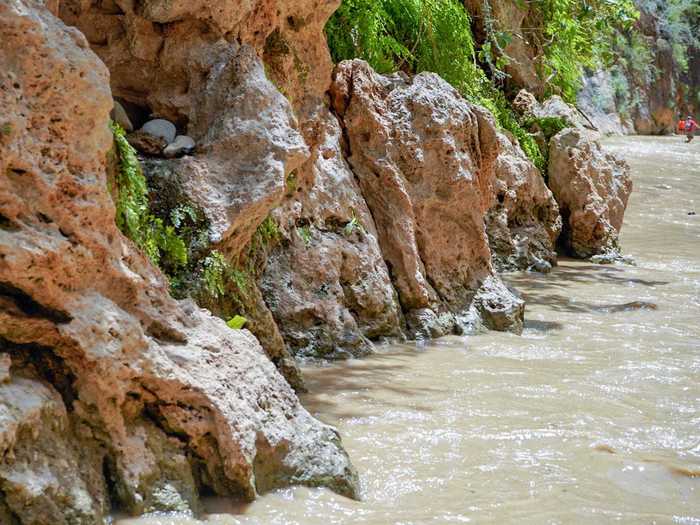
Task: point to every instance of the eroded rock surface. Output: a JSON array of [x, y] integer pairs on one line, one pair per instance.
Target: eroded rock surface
[[592, 188], [160, 51], [425, 161], [248, 143], [524, 224], [163, 399], [326, 283]]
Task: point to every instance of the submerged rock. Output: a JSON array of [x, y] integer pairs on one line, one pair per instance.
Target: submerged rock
[[592, 188], [499, 308], [143, 401], [425, 160]]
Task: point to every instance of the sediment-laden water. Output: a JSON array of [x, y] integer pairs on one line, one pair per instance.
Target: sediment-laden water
[[592, 416]]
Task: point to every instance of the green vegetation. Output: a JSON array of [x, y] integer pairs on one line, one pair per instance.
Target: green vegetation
[[174, 233], [5, 128], [409, 35], [158, 241], [352, 226], [633, 54], [267, 233], [573, 35], [215, 274], [291, 182], [435, 35], [237, 322], [304, 233], [549, 126]]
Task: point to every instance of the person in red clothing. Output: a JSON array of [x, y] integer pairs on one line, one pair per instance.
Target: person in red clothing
[[690, 127]]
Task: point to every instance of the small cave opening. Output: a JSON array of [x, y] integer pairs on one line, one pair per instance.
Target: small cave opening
[[43, 363], [137, 113]]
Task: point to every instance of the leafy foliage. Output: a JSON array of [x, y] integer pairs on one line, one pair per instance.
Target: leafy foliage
[[573, 35], [422, 35], [215, 274], [237, 322], [304, 233], [158, 241], [353, 225], [408, 35], [550, 126]]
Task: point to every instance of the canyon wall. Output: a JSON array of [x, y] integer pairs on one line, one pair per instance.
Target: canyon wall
[[334, 209], [647, 90], [112, 392]]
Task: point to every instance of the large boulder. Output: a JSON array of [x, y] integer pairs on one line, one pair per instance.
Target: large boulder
[[326, 283], [425, 160], [248, 142], [523, 224], [592, 188], [163, 399]]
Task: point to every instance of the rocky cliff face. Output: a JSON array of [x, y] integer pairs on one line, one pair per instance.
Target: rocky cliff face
[[592, 188], [646, 98], [425, 160], [515, 19], [114, 393], [342, 210]]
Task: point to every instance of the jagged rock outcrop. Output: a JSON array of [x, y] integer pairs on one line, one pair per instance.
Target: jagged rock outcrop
[[592, 188], [247, 141], [524, 224], [159, 52], [153, 400], [326, 283], [425, 160], [527, 105]]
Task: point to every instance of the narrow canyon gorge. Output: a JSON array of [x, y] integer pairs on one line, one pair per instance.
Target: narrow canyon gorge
[[199, 201]]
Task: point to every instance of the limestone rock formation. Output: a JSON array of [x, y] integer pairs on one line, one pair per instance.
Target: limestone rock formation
[[648, 98], [327, 284], [425, 161], [554, 107], [152, 399], [159, 52], [524, 224], [248, 143], [592, 188]]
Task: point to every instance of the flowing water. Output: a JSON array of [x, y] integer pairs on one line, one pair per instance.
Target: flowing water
[[592, 416]]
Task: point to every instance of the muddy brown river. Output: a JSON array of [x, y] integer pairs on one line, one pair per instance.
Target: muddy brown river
[[592, 416]]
